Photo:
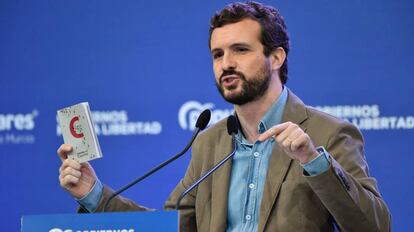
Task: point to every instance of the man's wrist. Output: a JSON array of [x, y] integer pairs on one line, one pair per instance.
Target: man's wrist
[[311, 157], [91, 200], [319, 164]]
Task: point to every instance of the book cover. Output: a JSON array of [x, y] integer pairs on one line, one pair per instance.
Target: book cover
[[78, 131]]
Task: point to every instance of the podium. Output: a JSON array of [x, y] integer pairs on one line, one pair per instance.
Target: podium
[[102, 222]]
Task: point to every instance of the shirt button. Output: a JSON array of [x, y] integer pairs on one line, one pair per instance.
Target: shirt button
[[251, 186], [256, 154], [248, 217]]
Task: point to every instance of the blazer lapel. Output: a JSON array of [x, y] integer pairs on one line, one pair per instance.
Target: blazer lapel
[[280, 162], [220, 185]]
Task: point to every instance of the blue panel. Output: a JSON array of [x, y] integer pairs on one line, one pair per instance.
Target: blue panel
[[119, 222]]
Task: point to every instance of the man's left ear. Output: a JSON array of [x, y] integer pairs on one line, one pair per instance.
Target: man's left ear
[[278, 58]]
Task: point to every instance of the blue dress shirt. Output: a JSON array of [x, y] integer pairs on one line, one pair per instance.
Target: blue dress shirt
[[249, 169], [248, 172]]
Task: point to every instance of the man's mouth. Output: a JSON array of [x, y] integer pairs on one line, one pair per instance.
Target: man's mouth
[[229, 80]]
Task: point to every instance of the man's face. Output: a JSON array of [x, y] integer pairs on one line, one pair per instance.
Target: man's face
[[242, 72]]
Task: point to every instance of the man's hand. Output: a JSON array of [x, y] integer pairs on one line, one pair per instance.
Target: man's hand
[[293, 140], [78, 179]]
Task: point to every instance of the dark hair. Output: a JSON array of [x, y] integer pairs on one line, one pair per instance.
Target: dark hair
[[273, 28]]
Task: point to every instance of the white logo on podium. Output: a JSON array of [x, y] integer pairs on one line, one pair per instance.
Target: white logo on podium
[[59, 230]]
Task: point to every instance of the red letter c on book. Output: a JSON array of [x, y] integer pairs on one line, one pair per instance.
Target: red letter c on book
[[72, 128]]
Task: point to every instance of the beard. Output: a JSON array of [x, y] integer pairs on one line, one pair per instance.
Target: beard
[[250, 89]]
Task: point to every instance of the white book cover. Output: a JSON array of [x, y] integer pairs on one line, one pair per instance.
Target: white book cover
[[78, 131]]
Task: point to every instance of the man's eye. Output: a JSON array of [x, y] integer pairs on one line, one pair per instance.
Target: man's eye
[[217, 55], [241, 49]]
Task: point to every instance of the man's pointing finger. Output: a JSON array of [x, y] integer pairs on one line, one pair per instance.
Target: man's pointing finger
[[274, 131]]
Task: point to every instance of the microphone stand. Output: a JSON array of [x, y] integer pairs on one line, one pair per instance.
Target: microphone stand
[[153, 170], [218, 165]]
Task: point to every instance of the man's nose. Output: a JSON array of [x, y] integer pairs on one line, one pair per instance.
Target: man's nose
[[228, 62]]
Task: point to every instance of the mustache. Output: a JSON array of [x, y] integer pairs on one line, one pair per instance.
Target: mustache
[[231, 72]]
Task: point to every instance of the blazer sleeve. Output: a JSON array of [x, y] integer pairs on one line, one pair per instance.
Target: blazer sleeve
[[346, 189], [117, 204]]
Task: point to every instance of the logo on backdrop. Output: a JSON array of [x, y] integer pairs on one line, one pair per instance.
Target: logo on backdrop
[[365, 117], [368, 117], [17, 128], [115, 123], [97, 230], [189, 112]]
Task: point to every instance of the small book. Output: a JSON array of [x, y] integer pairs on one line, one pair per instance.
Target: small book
[[78, 131]]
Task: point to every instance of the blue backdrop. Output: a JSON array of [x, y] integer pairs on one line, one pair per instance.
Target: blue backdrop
[[146, 71]]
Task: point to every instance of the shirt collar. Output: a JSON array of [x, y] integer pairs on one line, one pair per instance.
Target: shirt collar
[[272, 117]]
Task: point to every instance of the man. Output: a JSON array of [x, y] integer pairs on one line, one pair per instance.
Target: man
[[295, 168]]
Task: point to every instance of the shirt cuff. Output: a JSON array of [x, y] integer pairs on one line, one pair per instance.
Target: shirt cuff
[[319, 164], [91, 200]]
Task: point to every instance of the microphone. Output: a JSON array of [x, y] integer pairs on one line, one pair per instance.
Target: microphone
[[201, 124], [232, 129]]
